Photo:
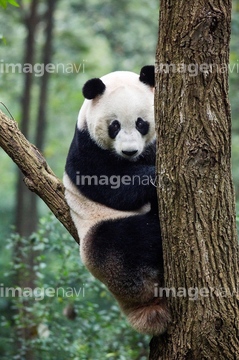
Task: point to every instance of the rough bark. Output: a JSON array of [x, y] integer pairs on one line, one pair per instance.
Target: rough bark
[[196, 196], [38, 176]]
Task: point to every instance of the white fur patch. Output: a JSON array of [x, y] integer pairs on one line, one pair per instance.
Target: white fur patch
[[125, 99]]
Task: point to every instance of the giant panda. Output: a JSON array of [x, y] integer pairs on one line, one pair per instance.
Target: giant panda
[[109, 187]]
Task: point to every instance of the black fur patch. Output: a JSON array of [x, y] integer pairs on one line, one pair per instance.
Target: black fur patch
[[147, 75], [134, 244], [114, 129], [142, 126], [93, 88], [86, 158]]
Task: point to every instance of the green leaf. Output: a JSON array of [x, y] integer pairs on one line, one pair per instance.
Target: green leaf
[[13, 2], [4, 3]]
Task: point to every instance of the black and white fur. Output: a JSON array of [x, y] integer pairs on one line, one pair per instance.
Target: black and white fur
[[120, 239]]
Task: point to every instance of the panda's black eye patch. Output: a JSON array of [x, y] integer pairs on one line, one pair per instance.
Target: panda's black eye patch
[[142, 126], [114, 129]]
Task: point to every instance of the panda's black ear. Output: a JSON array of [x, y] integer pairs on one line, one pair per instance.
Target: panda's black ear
[[93, 88], [147, 75]]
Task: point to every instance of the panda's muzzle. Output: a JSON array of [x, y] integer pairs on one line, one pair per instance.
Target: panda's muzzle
[[130, 153]]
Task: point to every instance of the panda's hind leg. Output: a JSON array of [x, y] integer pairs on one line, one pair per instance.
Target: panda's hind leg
[[126, 255]]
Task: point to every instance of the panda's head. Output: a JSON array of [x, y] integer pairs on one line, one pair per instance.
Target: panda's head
[[119, 111]]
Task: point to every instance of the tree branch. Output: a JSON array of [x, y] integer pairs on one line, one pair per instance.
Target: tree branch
[[38, 176]]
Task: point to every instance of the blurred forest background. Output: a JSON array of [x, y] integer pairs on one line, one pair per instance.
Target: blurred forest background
[[80, 39]]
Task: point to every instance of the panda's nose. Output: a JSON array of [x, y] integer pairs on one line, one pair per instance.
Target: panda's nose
[[129, 153]]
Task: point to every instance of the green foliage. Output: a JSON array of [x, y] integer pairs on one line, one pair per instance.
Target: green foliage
[[4, 3], [130, 27], [2, 39], [93, 328]]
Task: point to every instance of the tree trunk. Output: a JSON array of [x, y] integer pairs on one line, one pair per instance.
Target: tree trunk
[[196, 196], [26, 202], [46, 59]]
